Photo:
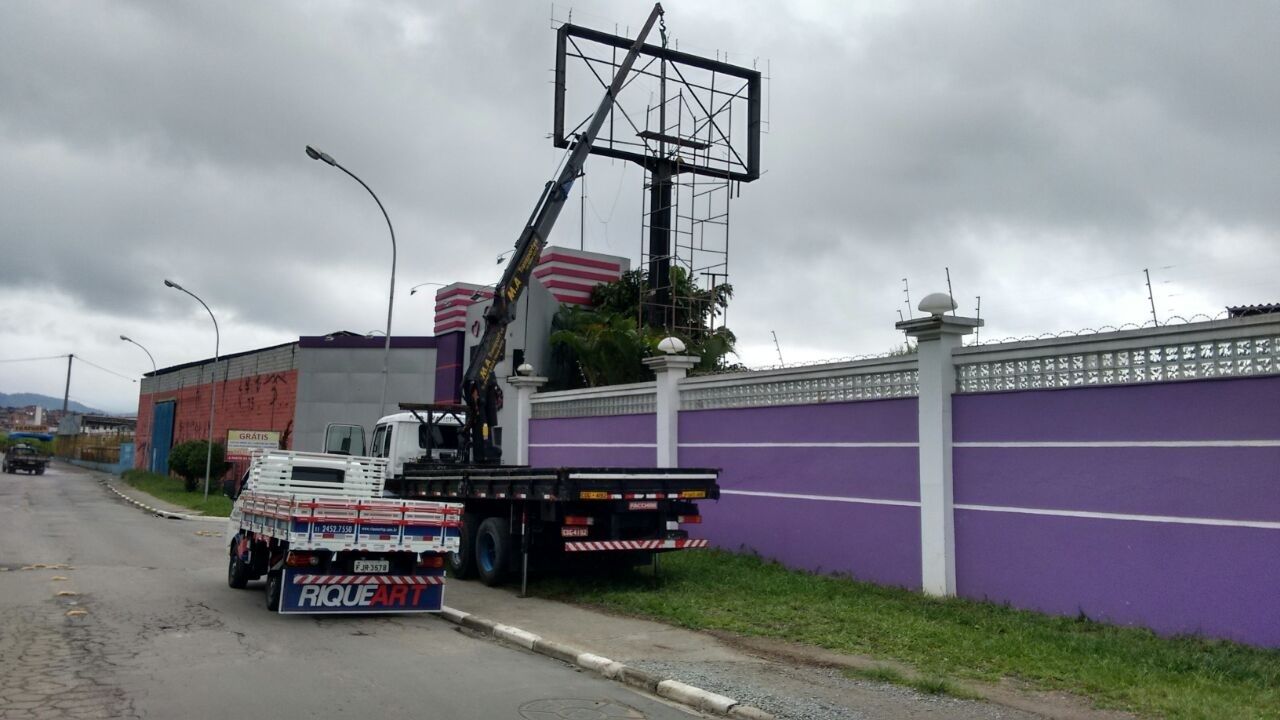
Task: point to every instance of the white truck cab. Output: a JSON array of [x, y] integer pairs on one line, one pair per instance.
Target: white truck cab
[[401, 437]]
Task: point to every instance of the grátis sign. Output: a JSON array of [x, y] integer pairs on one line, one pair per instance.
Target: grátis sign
[[242, 442]]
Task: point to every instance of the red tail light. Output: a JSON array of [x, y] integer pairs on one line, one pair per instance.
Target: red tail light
[[431, 561], [689, 519], [579, 520], [301, 560]]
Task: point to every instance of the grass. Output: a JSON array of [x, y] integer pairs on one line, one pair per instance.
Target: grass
[[945, 640], [170, 490], [926, 685]]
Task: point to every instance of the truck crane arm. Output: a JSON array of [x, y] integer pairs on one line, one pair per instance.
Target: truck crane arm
[[478, 382]]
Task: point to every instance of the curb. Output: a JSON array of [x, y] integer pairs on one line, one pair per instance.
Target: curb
[[663, 687], [157, 511]]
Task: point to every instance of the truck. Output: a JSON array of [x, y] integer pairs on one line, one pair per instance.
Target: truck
[[319, 527], [512, 514], [552, 517], [25, 458]]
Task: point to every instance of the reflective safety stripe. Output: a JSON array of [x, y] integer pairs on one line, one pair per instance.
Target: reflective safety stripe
[[633, 545]]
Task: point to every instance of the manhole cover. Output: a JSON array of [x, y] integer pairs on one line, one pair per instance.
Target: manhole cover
[[579, 709]]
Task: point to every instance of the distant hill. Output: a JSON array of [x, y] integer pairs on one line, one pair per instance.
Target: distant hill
[[49, 403]]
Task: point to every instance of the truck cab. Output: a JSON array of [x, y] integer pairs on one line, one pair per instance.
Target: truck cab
[[416, 436]]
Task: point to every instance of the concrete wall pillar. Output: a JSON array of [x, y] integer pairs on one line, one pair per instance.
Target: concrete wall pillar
[[936, 337], [525, 386], [670, 370]]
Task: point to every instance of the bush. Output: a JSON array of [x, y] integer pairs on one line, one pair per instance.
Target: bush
[[187, 461]]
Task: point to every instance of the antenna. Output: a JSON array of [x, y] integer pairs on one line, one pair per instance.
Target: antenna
[[1151, 297], [949, 292], [777, 347], [900, 318], [906, 289], [977, 330]]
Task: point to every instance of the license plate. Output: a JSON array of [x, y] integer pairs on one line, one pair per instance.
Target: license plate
[[371, 566], [573, 532]]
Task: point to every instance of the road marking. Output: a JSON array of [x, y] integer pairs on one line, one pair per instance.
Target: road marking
[[76, 613]]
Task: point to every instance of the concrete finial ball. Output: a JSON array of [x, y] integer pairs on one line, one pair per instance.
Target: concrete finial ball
[[671, 346], [937, 304], [525, 370]]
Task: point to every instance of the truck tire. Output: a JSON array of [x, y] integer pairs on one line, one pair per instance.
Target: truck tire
[[493, 549], [237, 570], [40, 470], [273, 591], [462, 564]]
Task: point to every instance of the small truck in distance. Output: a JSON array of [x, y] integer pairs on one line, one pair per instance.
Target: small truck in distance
[[24, 458], [318, 527]]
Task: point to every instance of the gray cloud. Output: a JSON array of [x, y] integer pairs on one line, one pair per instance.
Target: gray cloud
[[1045, 153]]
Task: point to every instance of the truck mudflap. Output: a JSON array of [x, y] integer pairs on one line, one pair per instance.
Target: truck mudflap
[[598, 545], [304, 593]]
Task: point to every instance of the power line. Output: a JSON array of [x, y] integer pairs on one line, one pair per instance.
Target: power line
[[122, 376], [32, 359]]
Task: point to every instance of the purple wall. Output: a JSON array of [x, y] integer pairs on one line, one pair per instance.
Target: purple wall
[[837, 530], [594, 441], [1161, 572]]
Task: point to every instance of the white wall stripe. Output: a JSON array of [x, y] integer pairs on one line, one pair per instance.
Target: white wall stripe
[[827, 498], [593, 445], [1122, 443], [803, 445], [1173, 519]]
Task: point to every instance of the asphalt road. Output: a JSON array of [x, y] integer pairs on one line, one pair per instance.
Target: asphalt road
[[107, 612]]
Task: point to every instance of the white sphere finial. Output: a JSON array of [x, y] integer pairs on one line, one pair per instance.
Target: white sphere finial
[[525, 370], [671, 346], [937, 304]]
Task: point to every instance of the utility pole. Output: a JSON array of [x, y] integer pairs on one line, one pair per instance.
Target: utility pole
[[777, 347], [977, 330], [66, 393]]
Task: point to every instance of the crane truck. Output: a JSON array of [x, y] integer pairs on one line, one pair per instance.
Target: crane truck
[[514, 514]]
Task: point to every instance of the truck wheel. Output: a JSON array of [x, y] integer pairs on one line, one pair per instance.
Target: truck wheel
[[273, 591], [463, 563], [237, 570], [39, 471], [493, 547]]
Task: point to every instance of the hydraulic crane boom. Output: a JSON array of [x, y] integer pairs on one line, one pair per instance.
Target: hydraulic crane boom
[[478, 382]]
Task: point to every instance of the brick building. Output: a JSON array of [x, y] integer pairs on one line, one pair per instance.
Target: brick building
[[299, 387]]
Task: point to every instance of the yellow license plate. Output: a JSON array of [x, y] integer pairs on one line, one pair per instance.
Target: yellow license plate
[[693, 493], [586, 495]]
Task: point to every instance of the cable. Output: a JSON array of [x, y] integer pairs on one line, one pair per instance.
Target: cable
[[105, 370], [32, 359]]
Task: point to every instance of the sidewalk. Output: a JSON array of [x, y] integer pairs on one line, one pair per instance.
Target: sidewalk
[[144, 501], [788, 680]]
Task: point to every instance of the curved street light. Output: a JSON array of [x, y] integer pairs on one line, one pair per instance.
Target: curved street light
[[315, 154], [148, 352], [413, 290], [213, 394]]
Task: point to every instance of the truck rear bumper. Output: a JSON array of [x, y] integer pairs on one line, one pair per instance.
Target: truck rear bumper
[[304, 593], [600, 545]]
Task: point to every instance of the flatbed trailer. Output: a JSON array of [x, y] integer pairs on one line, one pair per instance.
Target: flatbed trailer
[[319, 529], [513, 515]]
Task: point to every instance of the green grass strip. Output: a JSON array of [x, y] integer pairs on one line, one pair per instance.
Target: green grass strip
[[170, 490], [944, 639]]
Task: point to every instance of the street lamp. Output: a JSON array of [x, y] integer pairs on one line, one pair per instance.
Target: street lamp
[[315, 154], [413, 290], [148, 352], [213, 395]]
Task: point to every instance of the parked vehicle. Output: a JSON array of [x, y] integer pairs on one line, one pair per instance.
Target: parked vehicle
[[550, 517], [318, 527], [24, 458]]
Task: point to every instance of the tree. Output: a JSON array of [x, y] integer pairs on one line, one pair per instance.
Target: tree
[[606, 344], [187, 460]]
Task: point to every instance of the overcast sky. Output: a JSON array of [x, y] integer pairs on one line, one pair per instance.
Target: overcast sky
[[1045, 152]]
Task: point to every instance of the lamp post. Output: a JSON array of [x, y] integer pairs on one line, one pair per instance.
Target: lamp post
[[413, 290], [148, 352], [391, 296], [213, 395]]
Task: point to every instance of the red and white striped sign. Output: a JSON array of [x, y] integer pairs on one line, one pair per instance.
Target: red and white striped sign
[[367, 580], [633, 545]]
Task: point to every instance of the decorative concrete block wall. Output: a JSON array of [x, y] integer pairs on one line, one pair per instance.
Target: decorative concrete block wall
[[1131, 476]]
